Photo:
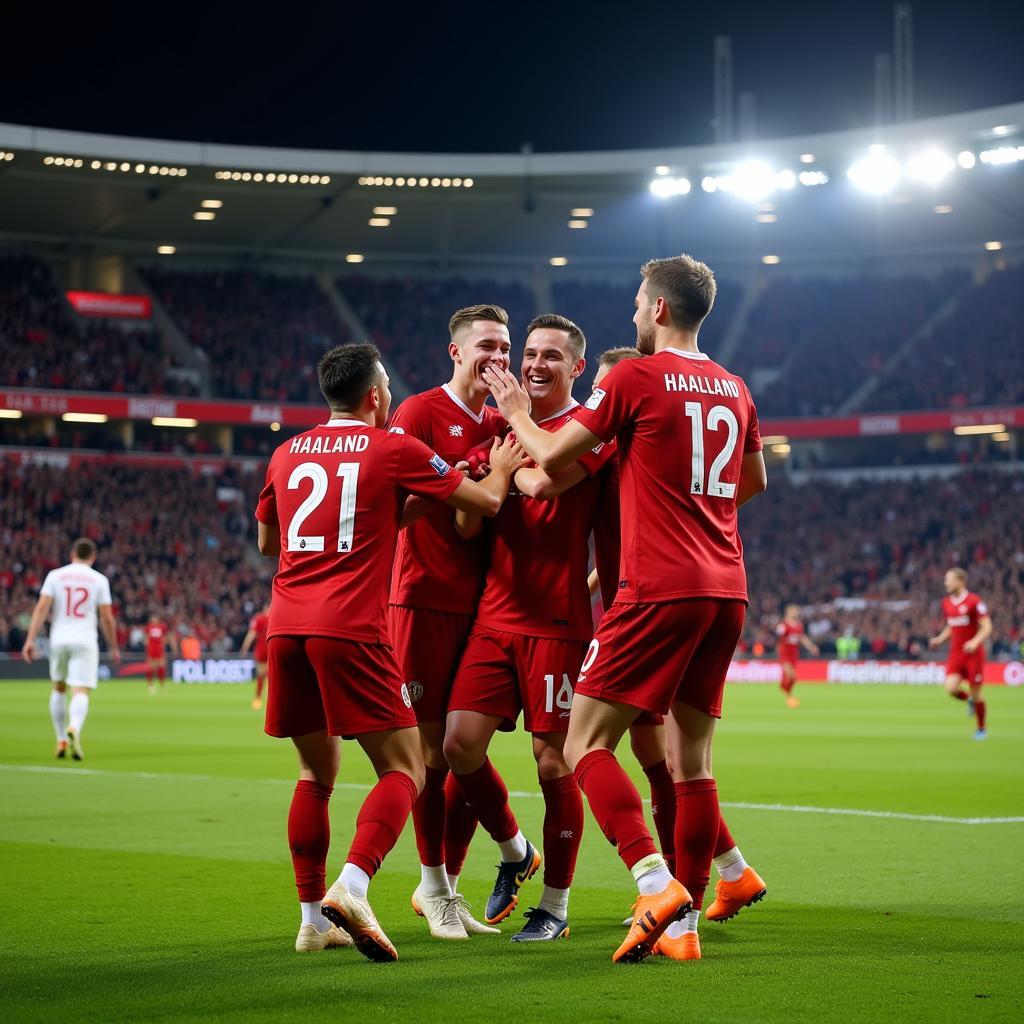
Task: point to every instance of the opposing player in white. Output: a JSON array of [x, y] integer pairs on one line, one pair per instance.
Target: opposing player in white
[[76, 593]]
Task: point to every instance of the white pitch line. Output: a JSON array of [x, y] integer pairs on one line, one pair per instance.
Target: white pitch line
[[850, 812]]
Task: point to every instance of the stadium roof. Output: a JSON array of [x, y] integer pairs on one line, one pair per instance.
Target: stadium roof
[[78, 192]]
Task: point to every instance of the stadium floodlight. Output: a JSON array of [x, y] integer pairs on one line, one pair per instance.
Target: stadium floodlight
[[771, 260], [753, 180], [877, 173], [581, 211], [993, 246], [579, 225], [1002, 129], [807, 158], [85, 417], [943, 208], [965, 158], [785, 179], [204, 215], [385, 211], [166, 250], [379, 222], [559, 261], [275, 426], [212, 204], [355, 257], [767, 218], [174, 421], [10, 414], [666, 188], [812, 178], [930, 166], [1002, 155], [979, 428], [662, 169], [708, 184]]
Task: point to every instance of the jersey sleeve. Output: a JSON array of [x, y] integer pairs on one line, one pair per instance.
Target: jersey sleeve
[[611, 406], [103, 592], [266, 507], [597, 458], [982, 609], [780, 629], [49, 587], [607, 539], [423, 472], [752, 442], [411, 418]]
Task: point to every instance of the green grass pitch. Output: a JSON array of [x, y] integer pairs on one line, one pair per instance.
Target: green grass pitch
[[152, 883]]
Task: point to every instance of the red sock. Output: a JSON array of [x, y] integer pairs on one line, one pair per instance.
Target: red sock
[[309, 836], [381, 820], [260, 682], [959, 695], [160, 674], [663, 806], [725, 840], [149, 675], [616, 804], [459, 825], [563, 829], [787, 686], [697, 826], [486, 793], [428, 818], [979, 713]]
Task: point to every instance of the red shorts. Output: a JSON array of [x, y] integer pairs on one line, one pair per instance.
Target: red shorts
[[505, 673], [650, 655], [343, 686], [969, 667], [155, 653], [259, 652], [428, 646]]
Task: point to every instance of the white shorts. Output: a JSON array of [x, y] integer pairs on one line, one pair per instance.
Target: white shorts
[[75, 664]]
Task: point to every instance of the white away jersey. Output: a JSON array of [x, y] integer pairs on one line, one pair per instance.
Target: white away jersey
[[77, 590]]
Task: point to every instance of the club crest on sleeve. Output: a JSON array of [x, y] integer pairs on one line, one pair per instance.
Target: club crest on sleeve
[[406, 699], [596, 398], [396, 430], [441, 468], [415, 688]]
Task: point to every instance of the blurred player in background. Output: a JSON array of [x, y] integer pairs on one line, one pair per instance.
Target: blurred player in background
[[256, 638], [668, 640], [531, 633], [157, 639], [75, 594], [435, 586], [968, 626], [331, 508], [739, 885], [791, 637]]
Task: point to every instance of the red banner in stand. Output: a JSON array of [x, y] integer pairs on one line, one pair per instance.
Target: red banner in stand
[[145, 407], [104, 304]]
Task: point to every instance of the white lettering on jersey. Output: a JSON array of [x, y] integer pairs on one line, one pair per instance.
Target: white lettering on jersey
[[959, 620], [701, 385], [345, 443], [77, 591]]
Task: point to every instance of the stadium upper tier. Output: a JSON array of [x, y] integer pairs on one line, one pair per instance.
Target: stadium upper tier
[[951, 184]]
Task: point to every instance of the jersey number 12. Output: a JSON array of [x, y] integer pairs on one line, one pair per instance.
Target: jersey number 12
[[717, 416], [349, 473]]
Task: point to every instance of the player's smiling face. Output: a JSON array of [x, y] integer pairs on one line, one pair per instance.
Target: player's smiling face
[[480, 345], [953, 583], [644, 320], [548, 368]]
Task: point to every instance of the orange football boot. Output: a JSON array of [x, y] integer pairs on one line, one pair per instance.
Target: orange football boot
[[651, 916], [686, 947], [732, 897]]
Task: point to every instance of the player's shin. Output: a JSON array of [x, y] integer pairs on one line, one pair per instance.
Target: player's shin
[[563, 833], [59, 714], [460, 823], [309, 838], [663, 806], [697, 827], [378, 826], [428, 815]]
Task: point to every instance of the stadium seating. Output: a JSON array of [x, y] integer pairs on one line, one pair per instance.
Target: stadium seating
[[44, 347], [172, 542], [262, 333]]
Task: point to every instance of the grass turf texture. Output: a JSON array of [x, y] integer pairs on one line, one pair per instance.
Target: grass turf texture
[[160, 887]]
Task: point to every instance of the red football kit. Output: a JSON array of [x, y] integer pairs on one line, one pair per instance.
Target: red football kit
[[155, 634], [437, 576], [259, 624], [337, 493], [789, 642], [683, 424], [534, 621], [962, 616]]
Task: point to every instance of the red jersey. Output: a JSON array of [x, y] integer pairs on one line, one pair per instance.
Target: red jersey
[[607, 539], [537, 578], [683, 425], [789, 634], [259, 624], [962, 615], [434, 567], [155, 633], [337, 493]]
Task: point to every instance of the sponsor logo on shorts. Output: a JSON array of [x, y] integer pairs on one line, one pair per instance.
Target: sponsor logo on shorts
[[440, 467], [405, 696], [415, 690], [596, 398]]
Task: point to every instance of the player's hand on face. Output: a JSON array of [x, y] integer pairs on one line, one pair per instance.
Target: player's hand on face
[[28, 652], [508, 455], [508, 392]]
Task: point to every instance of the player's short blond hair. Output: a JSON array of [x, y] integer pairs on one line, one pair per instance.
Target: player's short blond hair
[[462, 318], [687, 286], [613, 356], [960, 574], [556, 322]]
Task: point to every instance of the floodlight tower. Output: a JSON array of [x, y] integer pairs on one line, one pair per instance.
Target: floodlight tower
[[903, 60], [722, 121]]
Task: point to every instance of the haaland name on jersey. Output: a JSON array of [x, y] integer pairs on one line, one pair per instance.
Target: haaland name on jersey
[[701, 385], [329, 445]]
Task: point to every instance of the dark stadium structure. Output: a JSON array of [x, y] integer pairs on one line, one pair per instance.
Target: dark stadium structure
[[163, 304]]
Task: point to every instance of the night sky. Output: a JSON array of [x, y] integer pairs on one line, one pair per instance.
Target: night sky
[[486, 77]]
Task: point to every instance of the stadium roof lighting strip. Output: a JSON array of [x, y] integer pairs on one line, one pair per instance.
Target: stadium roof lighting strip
[[6, 154], [404, 181], [116, 166], [980, 428], [274, 177]]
